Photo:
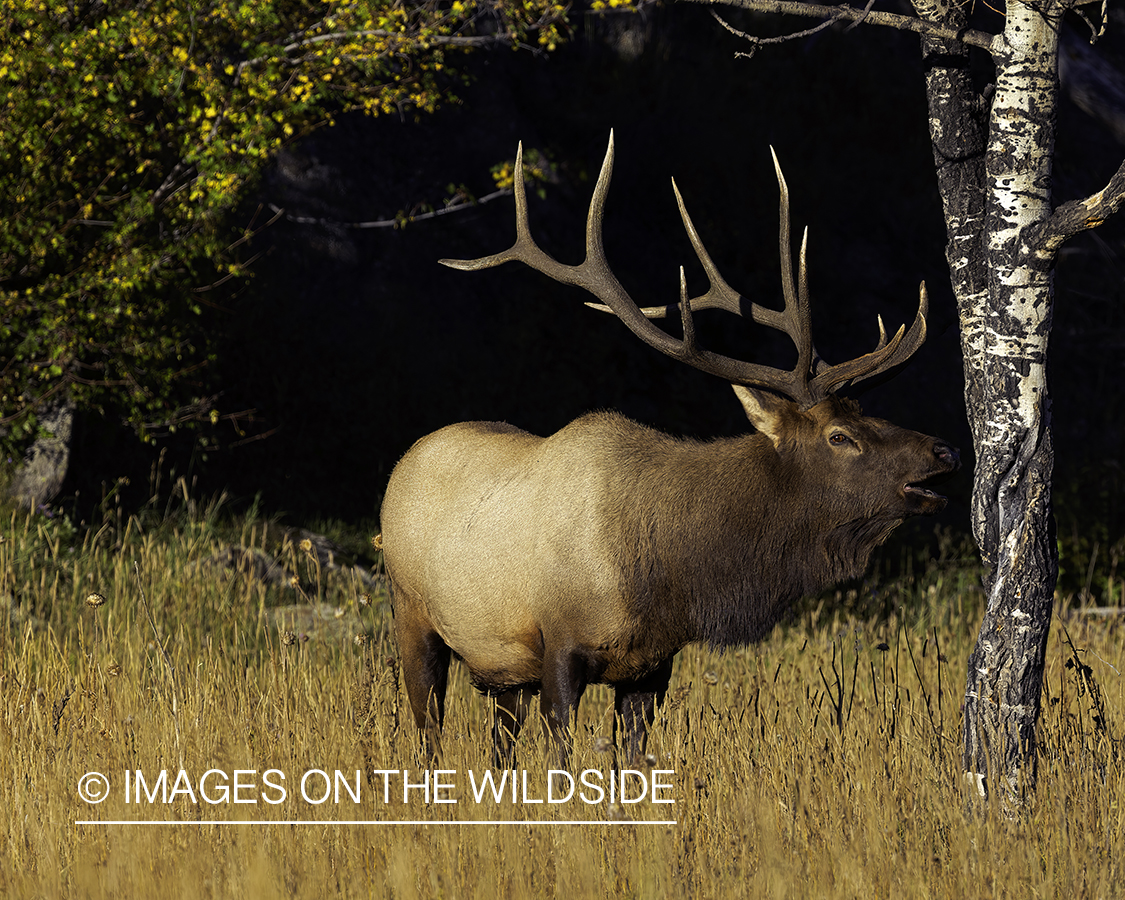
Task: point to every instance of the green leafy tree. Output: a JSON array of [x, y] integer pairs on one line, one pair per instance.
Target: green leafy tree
[[132, 129]]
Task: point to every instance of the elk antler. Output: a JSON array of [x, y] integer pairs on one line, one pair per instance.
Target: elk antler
[[807, 383]]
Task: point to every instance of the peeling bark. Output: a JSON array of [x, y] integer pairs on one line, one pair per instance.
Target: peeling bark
[[1012, 493], [997, 196]]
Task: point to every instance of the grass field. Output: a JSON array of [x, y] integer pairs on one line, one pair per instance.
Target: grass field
[[823, 762]]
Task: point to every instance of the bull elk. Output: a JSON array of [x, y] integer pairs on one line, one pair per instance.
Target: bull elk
[[594, 555]]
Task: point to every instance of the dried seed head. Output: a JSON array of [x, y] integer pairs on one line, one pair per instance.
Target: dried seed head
[[288, 638], [94, 600], [650, 760], [303, 638], [306, 545], [603, 745], [711, 677], [364, 600], [339, 613], [114, 668], [377, 541], [359, 640], [294, 581]]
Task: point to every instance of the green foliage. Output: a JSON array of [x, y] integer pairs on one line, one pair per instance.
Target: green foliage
[[133, 130]]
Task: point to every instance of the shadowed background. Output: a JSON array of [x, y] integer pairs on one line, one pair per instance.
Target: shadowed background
[[349, 344]]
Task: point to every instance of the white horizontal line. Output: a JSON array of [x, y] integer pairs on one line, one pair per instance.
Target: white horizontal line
[[366, 822]]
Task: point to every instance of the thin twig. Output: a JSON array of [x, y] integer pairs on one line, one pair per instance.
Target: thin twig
[[862, 18], [1095, 31], [756, 42], [398, 222], [973, 38]]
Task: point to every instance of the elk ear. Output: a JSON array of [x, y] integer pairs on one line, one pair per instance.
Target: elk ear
[[766, 411]]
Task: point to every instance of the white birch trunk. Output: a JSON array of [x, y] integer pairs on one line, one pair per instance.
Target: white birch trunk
[[993, 156], [995, 208], [1007, 341]]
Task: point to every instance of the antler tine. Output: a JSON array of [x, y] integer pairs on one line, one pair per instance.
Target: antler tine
[[593, 273], [720, 295], [685, 315], [524, 245], [798, 313], [885, 356], [795, 319], [882, 333], [595, 276]]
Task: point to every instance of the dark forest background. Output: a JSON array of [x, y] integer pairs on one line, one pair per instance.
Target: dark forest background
[[349, 343]]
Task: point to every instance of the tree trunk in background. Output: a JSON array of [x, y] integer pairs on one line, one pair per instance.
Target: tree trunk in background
[[38, 478], [994, 190]]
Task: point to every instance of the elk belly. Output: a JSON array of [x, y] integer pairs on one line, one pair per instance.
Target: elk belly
[[500, 650], [503, 638]]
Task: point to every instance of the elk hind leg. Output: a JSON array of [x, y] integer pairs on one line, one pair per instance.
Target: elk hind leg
[[635, 705], [425, 669]]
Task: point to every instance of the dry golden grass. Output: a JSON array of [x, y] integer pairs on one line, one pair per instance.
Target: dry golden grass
[[823, 762]]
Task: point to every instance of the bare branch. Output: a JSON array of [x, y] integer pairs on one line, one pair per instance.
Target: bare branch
[[455, 205], [760, 41], [1046, 238], [861, 20], [1096, 31], [969, 36]]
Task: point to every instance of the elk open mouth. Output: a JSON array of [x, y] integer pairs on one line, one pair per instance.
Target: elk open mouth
[[920, 491], [924, 487], [949, 460]]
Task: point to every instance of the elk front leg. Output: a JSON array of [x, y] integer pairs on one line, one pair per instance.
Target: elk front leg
[[507, 720], [635, 705]]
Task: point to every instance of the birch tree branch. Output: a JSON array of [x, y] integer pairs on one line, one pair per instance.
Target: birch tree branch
[[1045, 238], [843, 12]]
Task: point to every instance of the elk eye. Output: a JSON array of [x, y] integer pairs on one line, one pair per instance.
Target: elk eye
[[839, 439]]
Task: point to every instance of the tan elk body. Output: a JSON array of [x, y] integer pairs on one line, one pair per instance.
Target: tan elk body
[[596, 554]]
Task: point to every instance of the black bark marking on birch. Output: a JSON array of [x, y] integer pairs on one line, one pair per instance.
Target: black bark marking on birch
[[993, 161]]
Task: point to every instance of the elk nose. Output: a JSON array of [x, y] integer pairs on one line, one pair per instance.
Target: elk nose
[[948, 454]]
